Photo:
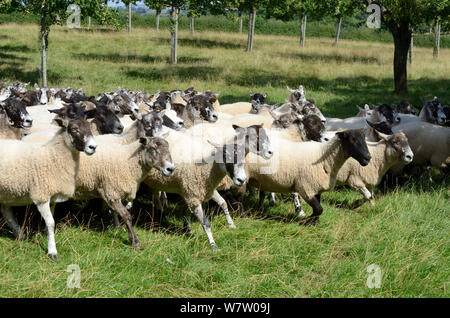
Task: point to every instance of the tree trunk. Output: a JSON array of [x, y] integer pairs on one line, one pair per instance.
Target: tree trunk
[[240, 22], [338, 31], [402, 39], [191, 25], [43, 47], [174, 35], [251, 29], [437, 39], [303, 31], [158, 14], [410, 51], [129, 18], [89, 22]]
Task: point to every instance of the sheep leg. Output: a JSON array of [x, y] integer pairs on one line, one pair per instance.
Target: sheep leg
[[118, 207], [8, 215], [317, 211], [271, 199], [429, 173], [198, 211], [187, 224], [368, 196], [115, 216], [46, 213], [163, 198], [223, 205], [298, 206], [262, 194]]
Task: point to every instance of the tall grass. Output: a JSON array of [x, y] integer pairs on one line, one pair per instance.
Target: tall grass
[[269, 254]]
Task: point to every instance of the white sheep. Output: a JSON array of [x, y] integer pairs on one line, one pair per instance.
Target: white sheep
[[385, 153], [116, 171], [199, 171], [308, 168], [42, 173], [430, 144]]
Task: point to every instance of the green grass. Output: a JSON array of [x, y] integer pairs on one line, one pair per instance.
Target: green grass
[[269, 254]]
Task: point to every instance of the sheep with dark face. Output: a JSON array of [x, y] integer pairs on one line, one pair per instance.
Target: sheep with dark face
[[405, 107], [308, 168], [14, 119], [258, 98]]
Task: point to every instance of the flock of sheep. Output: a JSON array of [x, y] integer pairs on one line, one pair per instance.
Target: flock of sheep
[[59, 144]]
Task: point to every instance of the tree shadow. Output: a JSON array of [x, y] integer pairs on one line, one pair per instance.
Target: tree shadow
[[348, 91], [14, 72], [134, 58], [203, 43], [327, 58], [183, 73], [16, 48], [11, 57]]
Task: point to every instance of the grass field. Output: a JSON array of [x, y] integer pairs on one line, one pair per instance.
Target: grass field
[[269, 254]]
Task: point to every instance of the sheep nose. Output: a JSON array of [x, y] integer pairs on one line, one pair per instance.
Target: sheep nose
[[408, 157], [270, 152], [170, 169], [92, 147], [240, 180], [181, 123], [324, 121], [29, 121]]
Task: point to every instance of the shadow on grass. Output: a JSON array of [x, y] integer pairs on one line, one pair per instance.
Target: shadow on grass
[[16, 48], [133, 58], [14, 72], [203, 43], [183, 73], [327, 58]]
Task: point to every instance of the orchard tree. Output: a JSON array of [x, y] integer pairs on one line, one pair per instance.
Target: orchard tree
[[401, 16], [55, 12], [158, 6], [287, 10], [339, 9], [128, 4]]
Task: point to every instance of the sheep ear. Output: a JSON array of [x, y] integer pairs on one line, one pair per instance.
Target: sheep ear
[[36, 86], [366, 107], [217, 146], [290, 89], [61, 122], [342, 134], [274, 116], [165, 135], [381, 135], [250, 93], [265, 95]]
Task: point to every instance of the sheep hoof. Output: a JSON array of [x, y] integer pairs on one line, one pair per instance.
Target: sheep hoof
[[311, 220], [215, 248], [301, 214], [53, 257], [137, 244]]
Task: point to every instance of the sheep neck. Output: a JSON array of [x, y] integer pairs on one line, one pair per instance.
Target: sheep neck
[[333, 157], [131, 134]]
